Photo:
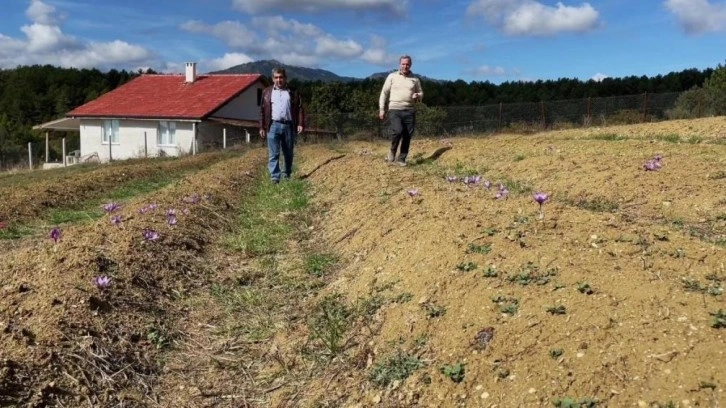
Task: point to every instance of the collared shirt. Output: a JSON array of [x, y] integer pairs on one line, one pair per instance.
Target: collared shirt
[[281, 109]]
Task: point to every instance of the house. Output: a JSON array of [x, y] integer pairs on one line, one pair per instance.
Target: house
[[167, 115]]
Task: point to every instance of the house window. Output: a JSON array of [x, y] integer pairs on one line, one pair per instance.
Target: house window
[[166, 134], [110, 131]]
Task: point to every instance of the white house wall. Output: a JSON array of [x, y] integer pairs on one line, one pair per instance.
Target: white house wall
[[243, 107], [132, 136]]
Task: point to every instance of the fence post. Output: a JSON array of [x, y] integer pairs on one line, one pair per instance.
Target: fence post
[[224, 138], [194, 138], [47, 158], [110, 138], [30, 155], [65, 161], [146, 145], [645, 107], [544, 119], [499, 124], [589, 111]]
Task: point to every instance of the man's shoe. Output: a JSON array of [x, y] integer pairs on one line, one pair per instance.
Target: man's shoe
[[401, 163], [275, 181], [390, 157]]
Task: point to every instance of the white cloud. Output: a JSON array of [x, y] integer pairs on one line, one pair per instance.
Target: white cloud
[[41, 13], [698, 16], [45, 43], [487, 71], [229, 59], [289, 41], [397, 7], [531, 18], [376, 54], [599, 77]]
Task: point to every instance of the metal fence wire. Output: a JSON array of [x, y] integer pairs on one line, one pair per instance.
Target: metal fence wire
[[526, 117]]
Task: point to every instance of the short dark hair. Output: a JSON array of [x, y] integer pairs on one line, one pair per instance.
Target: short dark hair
[[404, 56], [280, 71]]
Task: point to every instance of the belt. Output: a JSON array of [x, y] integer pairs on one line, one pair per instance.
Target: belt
[[284, 122]]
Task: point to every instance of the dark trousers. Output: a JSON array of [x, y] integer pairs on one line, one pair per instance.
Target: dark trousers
[[403, 124]]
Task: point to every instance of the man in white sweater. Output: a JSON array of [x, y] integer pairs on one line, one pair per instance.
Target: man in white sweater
[[400, 91]]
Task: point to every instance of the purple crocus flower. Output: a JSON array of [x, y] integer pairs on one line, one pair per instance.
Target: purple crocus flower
[[651, 165], [116, 219], [150, 235], [413, 192], [192, 199], [102, 282], [186, 211], [540, 197], [451, 179], [502, 192], [111, 207], [487, 184], [171, 212], [55, 234], [171, 220]]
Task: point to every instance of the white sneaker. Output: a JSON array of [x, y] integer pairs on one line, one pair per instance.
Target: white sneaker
[[390, 157]]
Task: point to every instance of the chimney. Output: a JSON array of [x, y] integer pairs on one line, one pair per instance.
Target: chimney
[[191, 72]]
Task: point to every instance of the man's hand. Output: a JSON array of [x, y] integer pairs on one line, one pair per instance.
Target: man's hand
[[381, 115], [263, 133], [299, 129]]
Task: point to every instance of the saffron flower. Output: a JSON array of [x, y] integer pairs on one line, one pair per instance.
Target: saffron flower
[[540, 198], [502, 192], [55, 234], [150, 207], [192, 199], [102, 282], [653, 164], [150, 235], [413, 192], [451, 179], [116, 219], [171, 220], [171, 212], [487, 184], [111, 207]]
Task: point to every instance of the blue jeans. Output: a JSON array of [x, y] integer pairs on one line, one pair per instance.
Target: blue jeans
[[280, 136]]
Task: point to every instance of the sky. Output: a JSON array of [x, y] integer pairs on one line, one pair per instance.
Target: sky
[[472, 40]]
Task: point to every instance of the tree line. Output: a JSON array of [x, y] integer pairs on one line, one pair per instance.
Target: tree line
[[31, 95]]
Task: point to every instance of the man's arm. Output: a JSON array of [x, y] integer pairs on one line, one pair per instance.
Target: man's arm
[[300, 113], [263, 120], [385, 93]]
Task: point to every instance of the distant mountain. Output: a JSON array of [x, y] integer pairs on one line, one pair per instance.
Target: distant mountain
[[265, 67]]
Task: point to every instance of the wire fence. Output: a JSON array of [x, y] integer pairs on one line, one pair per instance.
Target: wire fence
[[447, 121]]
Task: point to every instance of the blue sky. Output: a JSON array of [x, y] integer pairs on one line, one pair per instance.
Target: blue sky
[[473, 40]]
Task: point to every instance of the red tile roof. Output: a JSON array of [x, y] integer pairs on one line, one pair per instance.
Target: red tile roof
[[167, 96]]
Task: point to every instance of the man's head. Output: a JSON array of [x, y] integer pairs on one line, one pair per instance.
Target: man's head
[[279, 77], [404, 64]]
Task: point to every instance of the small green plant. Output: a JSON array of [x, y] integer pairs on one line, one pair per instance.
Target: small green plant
[[404, 297], [610, 137], [556, 353], [455, 372], [395, 367], [507, 305], [557, 310], [490, 232], [319, 264], [490, 272], [479, 249], [466, 266], [328, 325], [568, 402], [159, 336], [584, 287], [718, 175], [420, 341], [519, 157], [433, 310], [718, 321]]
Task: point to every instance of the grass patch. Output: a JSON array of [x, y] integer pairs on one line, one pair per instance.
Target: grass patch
[[608, 137], [15, 231], [395, 367], [263, 226], [596, 204], [670, 138], [319, 265]]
